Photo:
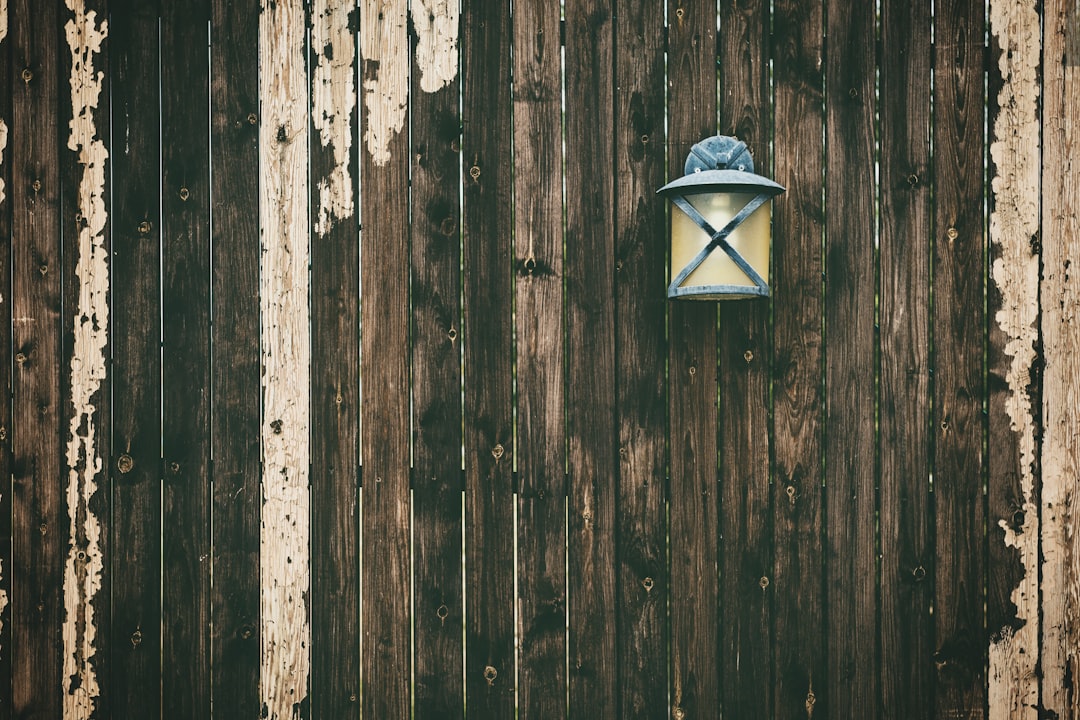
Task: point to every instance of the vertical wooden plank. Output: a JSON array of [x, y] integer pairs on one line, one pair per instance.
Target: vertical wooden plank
[[335, 364], [1061, 343], [692, 386], [185, 226], [541, 444], [86, 270], [960, 654], [798, 215], [236, 357], [590, 358], [37, 502], [1013, 307], [744, 362], [6, 254], [284, 570], [436, 356], [384, 264], [907, 558], [641, 584], [487, 248], [850, 563], [135, 645]]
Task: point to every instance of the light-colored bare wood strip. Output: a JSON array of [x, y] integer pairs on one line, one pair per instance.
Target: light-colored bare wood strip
[[1014, 654], [84, 563], [1061, 345], [286, 358], [436, 26], [385, 73], [333, 97]]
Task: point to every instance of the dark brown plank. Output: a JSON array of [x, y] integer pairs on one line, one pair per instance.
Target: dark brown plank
[[136, 464], [694, 495], [746, 563], [335, 363], [185, 232], [641, 585], [907, 575], [38, 510], [436, 374], [799, 603], [960, 650], [486, 232], [384, 372], [590, 358], [541, 449], [6, 353], [235, 371], [850, 562]]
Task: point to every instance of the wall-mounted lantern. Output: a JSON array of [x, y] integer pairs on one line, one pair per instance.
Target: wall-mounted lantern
[[721, 205]]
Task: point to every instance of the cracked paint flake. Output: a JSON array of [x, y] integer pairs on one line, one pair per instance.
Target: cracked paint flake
[[3, 147], [286, 360], [83, 566], [332, 103], [1014, 689], [384, 48], [436, 25]]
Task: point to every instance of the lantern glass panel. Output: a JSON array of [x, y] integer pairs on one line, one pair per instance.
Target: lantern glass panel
[[751, 239]]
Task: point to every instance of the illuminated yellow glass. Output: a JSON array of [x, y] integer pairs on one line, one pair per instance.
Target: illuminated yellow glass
[[751, 239]]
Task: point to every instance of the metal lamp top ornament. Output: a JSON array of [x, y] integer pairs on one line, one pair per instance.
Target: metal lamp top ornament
[[723, 205]]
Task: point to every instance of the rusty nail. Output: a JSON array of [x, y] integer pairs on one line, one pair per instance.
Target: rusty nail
[[275, 426], [125, 463]]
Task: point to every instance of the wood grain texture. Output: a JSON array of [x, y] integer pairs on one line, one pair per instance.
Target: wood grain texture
[[798, 353], [590, 359], [541, 397], [907, 557], [1060, 301], [641, 581], [851, 576], [185, 228], [384, 370], [438, 650], [692, 387], [960, 653], [38, 511], [135, 644], [5, 362], [1014, 384], [87, 288], [335, 366], [744, 367], [235, 372], [487, 295]]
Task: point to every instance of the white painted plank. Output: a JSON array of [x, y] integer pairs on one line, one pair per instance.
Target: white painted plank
[[1014, 655], [286, 358], [84, 563]]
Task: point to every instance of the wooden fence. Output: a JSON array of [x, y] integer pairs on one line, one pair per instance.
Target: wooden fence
[[339, 377]]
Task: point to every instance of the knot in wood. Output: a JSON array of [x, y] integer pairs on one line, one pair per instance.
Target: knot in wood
[[647, 583], [174, 467], [919, 573], [952, 233], [20, 358], [677, 712], [748, 356], [474, 172], [490, 674], [36, 186], [125, 463], [144, 227], [27, 75], [136, 638], [763, 582], [184, 194], [252, 119], [497, 451]]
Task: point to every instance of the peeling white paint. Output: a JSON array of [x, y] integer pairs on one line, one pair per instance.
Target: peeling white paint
[[332, 104], [83, 567], [286, 360], [384, 48], [436, 25], [3, 19], [1014, 685]]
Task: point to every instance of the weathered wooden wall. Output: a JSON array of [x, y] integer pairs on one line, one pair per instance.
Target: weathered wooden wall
[[338, 377]]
